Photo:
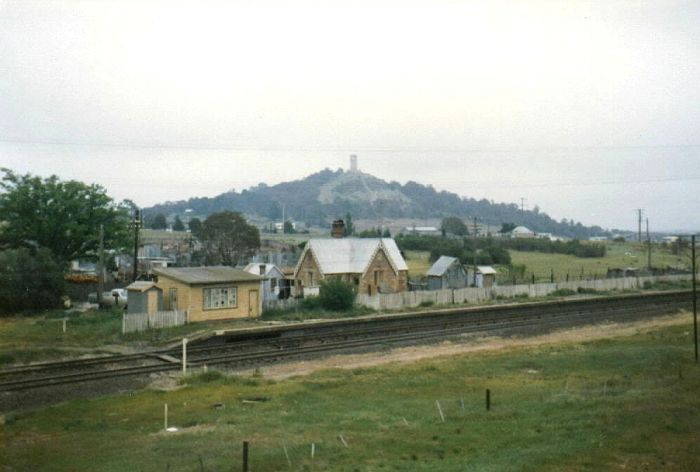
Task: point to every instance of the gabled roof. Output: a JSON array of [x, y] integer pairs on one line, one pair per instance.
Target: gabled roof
[[141, 286], [441, 265], [254, 268], [351, 255], [521, 230], [486, 270], [207, 275]]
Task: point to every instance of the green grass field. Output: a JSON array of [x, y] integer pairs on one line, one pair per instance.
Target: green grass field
[[627, 403], [418, 263], [541, 264], [618, 255]]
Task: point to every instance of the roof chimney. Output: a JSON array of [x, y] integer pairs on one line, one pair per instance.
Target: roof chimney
[[338, 229]]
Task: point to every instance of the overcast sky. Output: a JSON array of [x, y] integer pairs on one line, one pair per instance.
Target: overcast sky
[[588, 109]]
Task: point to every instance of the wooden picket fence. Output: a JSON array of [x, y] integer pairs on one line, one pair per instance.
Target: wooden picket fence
[[132, 322]]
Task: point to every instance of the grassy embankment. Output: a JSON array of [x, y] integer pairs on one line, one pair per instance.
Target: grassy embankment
[[626, 403], [41, 337]]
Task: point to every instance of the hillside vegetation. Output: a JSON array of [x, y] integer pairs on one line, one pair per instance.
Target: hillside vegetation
[[327, 195]]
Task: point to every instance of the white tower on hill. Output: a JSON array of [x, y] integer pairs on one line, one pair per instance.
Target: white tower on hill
[[353, 163]]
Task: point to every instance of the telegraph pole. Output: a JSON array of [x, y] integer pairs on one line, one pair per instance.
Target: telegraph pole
[[522, 209], [101, 275], [639, 223], [136, 224], [648, 247], [695, 299], [475, 231]]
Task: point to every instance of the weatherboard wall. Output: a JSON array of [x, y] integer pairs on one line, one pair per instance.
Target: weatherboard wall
[[191, 298]]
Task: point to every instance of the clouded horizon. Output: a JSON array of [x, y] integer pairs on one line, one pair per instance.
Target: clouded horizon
[[586, 109]]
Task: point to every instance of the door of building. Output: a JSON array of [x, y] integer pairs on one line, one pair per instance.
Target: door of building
[[253, 303]]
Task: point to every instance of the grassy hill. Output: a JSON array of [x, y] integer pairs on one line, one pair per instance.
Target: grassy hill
[[327, 195]]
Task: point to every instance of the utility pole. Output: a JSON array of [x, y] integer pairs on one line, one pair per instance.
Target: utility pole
[[101, 274], [475, 231], [695, 299], [522, 209], [136, 225], [639, 223], [648, 247]]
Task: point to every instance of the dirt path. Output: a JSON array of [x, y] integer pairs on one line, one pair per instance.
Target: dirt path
[[470, 344]]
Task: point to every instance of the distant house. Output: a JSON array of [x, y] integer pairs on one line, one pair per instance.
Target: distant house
[[373, 265], [447, 272], [485, 276], [522, 232], [274, 285], [144, 297], [422, 230], [210, 293]]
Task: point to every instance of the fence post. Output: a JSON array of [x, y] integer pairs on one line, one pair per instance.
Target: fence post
[[123, 322], [245, 456], [184, 356], [488, 399]]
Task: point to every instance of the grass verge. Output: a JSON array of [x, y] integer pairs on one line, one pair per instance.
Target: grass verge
[[616, 404]]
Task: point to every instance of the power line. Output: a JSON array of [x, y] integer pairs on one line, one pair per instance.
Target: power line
[[291, 148]]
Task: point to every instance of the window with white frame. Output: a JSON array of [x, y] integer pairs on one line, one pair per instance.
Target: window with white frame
[[219, 297]]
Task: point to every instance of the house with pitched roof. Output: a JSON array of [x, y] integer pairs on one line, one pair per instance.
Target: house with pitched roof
[[210, 293], [372, 265], [446, 273], [275, 284]]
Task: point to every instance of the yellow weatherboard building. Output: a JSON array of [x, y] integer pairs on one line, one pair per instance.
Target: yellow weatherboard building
[[210, 293]]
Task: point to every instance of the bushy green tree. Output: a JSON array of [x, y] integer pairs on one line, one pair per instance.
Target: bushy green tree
[[63, 216], [178, 225], [30, 280], [195, 225], [159, 222], [336, 295], [228, 239], [454, 225]]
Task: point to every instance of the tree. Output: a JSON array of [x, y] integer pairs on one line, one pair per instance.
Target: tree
[[30, 280], [195, 225], [159, 222], [63, 216], [507, 228], [454, 225], [288, 227], [178, 224], [336, 295], [386, 233], [349, 226], [228, 239]]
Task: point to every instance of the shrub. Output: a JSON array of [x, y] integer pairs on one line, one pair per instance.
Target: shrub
[[310, 303], [30, 280], [336, 295], [563, 292]]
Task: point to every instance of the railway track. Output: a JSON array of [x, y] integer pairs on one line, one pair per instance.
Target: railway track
[[273, 344]]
